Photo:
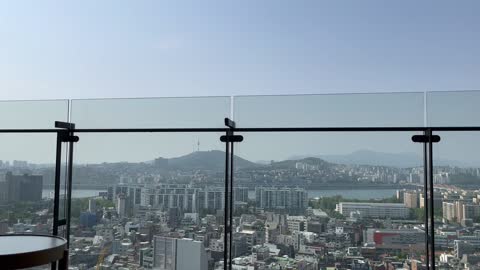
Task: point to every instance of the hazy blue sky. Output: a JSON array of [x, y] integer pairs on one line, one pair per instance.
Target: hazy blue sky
[[89, 49], [83, 49]]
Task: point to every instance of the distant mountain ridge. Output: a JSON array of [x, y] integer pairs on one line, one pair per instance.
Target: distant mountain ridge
[[368, 157], [332, 168], [209, 160], [215, 159], [289, 164]]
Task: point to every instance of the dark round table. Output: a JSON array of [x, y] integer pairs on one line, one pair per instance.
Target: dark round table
[[26, 250]]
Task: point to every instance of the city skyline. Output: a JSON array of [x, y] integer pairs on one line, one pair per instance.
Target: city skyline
[[282, 217], [304, 212], [358, 157]]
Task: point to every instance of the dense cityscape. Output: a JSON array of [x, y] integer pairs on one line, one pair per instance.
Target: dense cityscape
[[169, 214]]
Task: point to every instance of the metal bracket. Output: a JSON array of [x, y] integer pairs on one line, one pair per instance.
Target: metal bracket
[[64, 125], [66, 137], [231, 138], [230, 123], [425, 138]]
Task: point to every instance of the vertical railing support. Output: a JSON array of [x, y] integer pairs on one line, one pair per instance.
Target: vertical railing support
[[56, 195], [229, 139], [426, 203], [430, 182], [428, 192], [227, 228], [66, 134]]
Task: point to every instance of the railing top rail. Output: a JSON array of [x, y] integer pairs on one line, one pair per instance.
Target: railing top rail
[[246, 129]]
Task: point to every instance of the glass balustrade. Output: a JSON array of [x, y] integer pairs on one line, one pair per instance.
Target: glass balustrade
[[318, 180]]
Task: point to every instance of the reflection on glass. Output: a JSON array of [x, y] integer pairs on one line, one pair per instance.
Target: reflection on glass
[[337, 110], [148, 201], [453, 108], [26, 181], [345, 200], [195, 112], [38, 114], [27, 165]]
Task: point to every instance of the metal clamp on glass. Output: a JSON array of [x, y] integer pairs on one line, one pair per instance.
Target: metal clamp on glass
[[229, 123], [231, 138], [426, 138], [66, 137]]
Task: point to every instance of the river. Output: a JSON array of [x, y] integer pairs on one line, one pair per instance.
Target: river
[[361, 194]]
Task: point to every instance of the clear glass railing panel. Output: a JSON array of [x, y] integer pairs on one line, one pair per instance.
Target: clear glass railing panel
[[195, 112], [39, 114], [147, 200], [456, 200], [27, 177], [453, 108], [336, 110], [343, 198]]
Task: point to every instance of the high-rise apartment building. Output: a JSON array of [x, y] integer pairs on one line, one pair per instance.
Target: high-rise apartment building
[[184, 197], [437, 200], [456, 211], [168, 196], [471, 211], [3, 191], [400, 193], [240, 194], [121, 205], [132, 193], [213, 198], [449, 211], [281, 198], [178, 254], [164, 253], [92, 206], [410, 199], [23, 187]]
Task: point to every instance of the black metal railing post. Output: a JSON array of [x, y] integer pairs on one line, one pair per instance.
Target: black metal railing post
[[226, 208], [428, 139], [231, 195], [229, 139], [66, 134], [56, 195], [426, 203], [71, 141], [431, 140]]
